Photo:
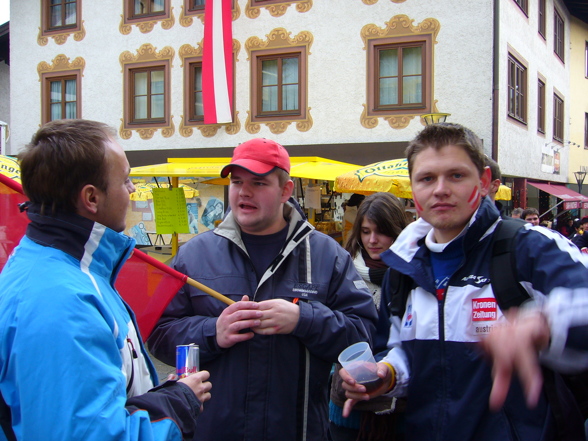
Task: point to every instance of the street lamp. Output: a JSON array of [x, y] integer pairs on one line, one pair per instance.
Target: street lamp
[[580, 175], [433, 118]]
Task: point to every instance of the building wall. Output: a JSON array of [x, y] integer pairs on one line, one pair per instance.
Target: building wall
[[521, 146], [579, 101], [4, 95], [336, 74]]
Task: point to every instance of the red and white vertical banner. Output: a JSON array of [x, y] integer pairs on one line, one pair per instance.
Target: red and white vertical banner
[[217, 62]]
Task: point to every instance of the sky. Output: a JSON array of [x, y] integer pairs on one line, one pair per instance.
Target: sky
[[4, 11]]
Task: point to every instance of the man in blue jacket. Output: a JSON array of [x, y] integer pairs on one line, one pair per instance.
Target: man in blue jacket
[[435, 358], [72, 364], [300, 302]]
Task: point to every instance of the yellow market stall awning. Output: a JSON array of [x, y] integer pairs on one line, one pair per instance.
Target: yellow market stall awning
[[308, 167], [388, 176], [9, 167]]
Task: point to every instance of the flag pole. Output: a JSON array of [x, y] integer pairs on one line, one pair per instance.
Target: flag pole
[[178, 275]]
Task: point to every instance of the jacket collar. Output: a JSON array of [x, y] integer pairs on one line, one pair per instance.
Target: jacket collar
[[79, 237], [406, 252]]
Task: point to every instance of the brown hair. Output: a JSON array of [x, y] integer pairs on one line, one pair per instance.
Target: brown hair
[[62, 157], [440, 135], [529, 211], [384, 210]]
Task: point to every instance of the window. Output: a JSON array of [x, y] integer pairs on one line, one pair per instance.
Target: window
[[147, 91], [61, 96], [586, 130], [523, 5], [558, 118], [195, 110], [147, 95], [542, 20], [586, 60], [195, 5], [146, 8], [62, 14], [541, 106], [60, 19], [399, 77], [279, 79], [517, 90], [278, 85], [279, 89], [558, 38]]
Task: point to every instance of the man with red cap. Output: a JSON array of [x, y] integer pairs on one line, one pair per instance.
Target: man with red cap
[[299, 303]]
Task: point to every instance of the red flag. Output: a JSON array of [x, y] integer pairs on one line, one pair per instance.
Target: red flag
[[217, 62], [146, 284], [13, 223]]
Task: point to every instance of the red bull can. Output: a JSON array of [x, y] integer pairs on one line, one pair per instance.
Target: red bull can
[[187, 359]]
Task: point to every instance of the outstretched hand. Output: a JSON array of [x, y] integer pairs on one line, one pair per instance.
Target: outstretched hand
[[513, 347], [234, 319]]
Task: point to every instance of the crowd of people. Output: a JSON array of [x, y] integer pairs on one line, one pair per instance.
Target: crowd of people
[[454, 362]]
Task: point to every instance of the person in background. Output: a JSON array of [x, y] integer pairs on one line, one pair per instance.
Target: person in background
[[73, 363], [516, 213], [380, 219], [494, 183], [299, 302], [531, 215], [581, 238], [350, 214], [454, 391]]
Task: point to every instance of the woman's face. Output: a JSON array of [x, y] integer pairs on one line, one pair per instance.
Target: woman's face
[[374, 242]]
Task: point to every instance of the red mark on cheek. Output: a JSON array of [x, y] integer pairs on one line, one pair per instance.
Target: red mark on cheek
[[474, 198], [418, 207]]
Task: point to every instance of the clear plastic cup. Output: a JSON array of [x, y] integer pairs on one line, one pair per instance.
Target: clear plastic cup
[[359, 362]]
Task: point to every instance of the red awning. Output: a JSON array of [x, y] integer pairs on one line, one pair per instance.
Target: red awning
[[570, 198]]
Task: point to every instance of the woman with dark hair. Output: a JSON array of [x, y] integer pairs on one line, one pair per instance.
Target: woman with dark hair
[[380, 219]]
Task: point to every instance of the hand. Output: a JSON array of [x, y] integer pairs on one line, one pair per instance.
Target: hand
[[197, 382], [513, 347], [356, 392], [236, 317], [278, 317]]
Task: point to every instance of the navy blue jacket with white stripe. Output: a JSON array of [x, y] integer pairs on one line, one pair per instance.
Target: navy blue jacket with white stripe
[[433, 347], [272, 387]]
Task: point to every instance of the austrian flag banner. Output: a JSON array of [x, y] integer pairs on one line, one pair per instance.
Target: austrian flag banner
[[217, 62]]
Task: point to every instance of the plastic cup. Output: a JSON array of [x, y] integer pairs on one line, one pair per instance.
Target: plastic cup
[[359, 362]]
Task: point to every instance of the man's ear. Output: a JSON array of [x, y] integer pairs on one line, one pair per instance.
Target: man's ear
[[485, 180], [287, 191], [88, 200]]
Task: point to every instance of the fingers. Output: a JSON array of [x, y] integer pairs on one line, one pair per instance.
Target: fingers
[[278, 317], [197, 382], [348, 407], [234, 319]]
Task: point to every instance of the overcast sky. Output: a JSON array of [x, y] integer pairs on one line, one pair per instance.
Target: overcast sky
[[4, 11]]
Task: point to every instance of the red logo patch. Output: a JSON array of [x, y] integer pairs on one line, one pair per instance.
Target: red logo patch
[[484, 310]]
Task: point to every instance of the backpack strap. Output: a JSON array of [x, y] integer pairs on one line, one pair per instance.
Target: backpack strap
[[395, 289], [507, 290]]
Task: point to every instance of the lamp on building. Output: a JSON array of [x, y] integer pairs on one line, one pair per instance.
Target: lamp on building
[[433, 118], [580, 175]]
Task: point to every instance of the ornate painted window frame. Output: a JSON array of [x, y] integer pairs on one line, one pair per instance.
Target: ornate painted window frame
[[147, 55], [60, 35], [187, 16], [277, 41], [276, 8], [146, 23], [399, 28], [60, 67]]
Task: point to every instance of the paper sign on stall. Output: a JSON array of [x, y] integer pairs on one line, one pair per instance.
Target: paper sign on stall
[[171, 215]]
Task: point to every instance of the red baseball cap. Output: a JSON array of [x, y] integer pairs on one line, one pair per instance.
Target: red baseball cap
[[258, 156]]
